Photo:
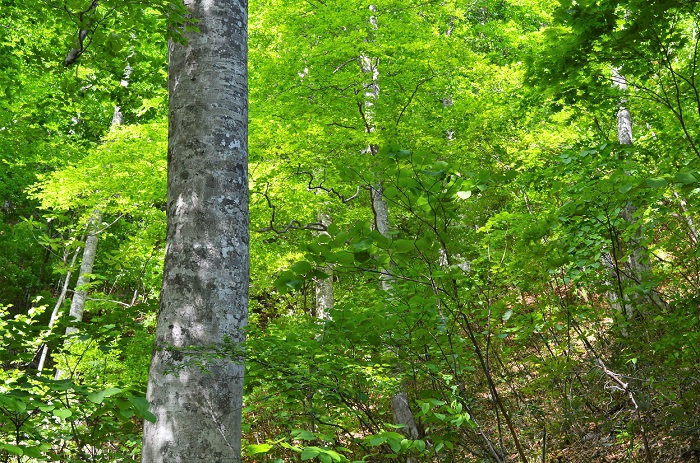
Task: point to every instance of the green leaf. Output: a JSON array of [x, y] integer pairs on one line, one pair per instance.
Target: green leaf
[[302, 267], [62, 413], [343, 258], [303, 435], [13, 405], [257, 448], [333, 229], [13, 449], [685, 177], [140, 403], [295, 284], [395, 445], [96, 397], [403, 245], [425, 407], [391, 192], [507, 315], [626, 187], [309, 452], [316, 273], [110, 391], [363, 245], [658, 182], [425, 243], [377, 440], [464, 194], [32, 452], [419, 444]]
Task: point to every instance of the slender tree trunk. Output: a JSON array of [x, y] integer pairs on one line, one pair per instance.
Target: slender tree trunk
[[637, 268], [57, 307], [77, 306], [400, 407], [323, 304], [195, 394], [324, 287]]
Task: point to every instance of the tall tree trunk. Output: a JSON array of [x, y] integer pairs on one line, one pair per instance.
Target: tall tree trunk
[[637, 268], [204, 300], [323, 304], [57, 307], [400, 407], [77, 306], [324, 300]]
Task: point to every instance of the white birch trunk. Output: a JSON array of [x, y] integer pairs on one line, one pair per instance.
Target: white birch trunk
[[204, 300], [77, 305]]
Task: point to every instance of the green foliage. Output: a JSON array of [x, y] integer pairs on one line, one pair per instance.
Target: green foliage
[[62, 419], [507, 273]]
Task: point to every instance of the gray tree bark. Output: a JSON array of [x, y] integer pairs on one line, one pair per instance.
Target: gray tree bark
[[204, 300], [77, 306], [400, 407], [325, 297], [57, 307], [638, 266]]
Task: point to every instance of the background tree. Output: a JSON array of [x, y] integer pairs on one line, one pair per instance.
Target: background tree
[[506, 186]]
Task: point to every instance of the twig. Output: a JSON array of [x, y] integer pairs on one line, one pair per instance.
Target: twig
[[410, 99], [332, 191], [292, 225], [625, 387]]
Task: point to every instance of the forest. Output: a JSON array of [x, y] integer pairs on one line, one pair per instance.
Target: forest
[[472, 229]]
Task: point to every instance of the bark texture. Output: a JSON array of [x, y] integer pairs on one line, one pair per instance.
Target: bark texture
[[638, 267], [204, 299], [324, 286], [57, 307], [400, 407], [77, 306]]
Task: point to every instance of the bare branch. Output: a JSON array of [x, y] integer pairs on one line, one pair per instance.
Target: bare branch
[[625, 387], [292, 225], [410, 99], [345, 64], [332, 191]]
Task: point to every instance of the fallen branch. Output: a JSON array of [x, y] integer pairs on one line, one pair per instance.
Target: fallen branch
[[625, 387]]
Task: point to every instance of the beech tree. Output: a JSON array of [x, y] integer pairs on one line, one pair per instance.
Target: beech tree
[[487, 132], [205, 283]]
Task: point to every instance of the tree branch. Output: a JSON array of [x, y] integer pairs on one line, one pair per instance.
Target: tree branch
[[332, 191], [625, 387], [292, 225]]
